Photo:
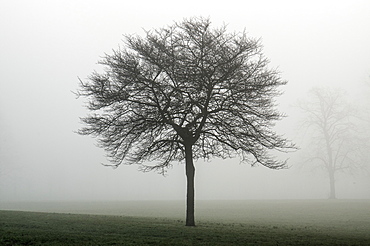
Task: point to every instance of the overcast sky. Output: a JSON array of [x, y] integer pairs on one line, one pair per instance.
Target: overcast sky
[[46, 45]]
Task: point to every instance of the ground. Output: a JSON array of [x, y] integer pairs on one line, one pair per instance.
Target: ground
[[314, 222]]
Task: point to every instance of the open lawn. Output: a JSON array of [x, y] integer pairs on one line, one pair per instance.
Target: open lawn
[[312, 222]]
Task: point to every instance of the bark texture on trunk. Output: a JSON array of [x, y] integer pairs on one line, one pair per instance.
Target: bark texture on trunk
[[190, 174]]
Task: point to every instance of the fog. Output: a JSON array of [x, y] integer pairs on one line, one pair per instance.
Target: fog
[[46, 46]]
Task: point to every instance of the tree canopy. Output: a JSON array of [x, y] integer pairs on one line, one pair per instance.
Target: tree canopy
[[185, 83]]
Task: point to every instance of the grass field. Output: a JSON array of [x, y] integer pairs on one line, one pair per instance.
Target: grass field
[[313, 222]]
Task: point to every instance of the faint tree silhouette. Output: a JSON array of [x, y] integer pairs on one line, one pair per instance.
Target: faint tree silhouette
[[336, 145]]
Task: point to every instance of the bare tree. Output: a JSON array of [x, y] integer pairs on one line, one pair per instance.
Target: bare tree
[[185, 92], [336, 144]]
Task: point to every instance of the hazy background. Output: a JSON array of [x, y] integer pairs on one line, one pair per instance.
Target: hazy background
[[46, 45]]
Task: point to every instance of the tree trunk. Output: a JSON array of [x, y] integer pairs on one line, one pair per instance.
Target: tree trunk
[[332, 185], [190, 173], [331, 164]]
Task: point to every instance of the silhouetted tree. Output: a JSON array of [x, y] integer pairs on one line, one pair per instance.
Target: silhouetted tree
[[185, 92], [336, 145]]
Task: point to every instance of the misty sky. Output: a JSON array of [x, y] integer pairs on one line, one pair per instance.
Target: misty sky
[[46, 46]]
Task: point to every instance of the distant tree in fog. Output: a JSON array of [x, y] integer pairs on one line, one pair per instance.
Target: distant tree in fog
[[336, 145], [185, 92], [365, 120]]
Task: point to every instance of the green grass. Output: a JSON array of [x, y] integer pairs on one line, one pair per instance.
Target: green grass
[[219, 223]]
